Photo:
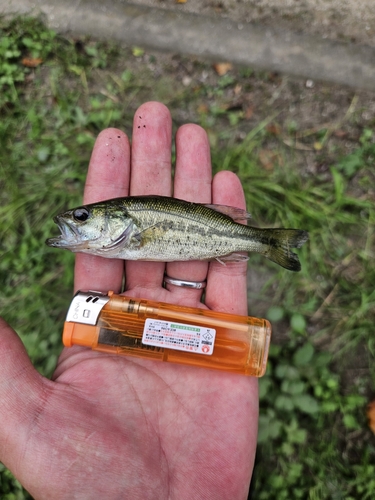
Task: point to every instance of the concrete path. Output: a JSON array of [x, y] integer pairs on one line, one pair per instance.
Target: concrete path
[[213, 37], [352, 20]]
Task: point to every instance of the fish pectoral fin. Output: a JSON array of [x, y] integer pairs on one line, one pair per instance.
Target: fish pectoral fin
[[119, 242], [232, 257], [237, 214]]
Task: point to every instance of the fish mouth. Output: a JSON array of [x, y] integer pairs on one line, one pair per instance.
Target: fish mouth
[[69, 237]]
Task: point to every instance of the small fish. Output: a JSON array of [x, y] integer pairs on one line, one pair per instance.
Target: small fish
[[159, 228]]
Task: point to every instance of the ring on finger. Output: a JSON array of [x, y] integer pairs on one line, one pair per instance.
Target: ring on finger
[[197, 285]]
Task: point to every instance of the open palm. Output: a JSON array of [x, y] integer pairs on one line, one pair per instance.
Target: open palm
[[110, 427]]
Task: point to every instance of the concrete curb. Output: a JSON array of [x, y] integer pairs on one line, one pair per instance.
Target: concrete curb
[[213, 38]]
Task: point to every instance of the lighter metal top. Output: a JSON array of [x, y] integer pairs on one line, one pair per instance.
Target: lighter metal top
[[86, 306]]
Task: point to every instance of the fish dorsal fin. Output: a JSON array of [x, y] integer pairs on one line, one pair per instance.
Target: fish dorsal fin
[[237, 214]]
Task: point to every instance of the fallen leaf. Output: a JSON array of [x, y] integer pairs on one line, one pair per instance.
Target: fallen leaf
[[340, 133], [113, 97], [249, 111], [274, 77], [137, 51], [371, 415], [222, 68], [297, 145], [224, 106], [237, 89], [318, 146], [273, 128], [268, 159], [202, 108], [31, 62], [180, 1], [313, 130]]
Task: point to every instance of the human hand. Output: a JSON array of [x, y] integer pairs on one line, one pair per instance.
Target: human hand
[[120, 427]]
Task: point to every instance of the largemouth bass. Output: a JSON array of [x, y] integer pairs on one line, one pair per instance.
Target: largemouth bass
[[160, 228]]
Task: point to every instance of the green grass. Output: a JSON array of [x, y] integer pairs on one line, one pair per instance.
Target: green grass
[[313, 439]]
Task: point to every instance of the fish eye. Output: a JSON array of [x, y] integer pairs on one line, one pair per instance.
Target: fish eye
[[81, 214]]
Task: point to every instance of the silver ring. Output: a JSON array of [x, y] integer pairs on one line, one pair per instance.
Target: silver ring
[[197, 285]]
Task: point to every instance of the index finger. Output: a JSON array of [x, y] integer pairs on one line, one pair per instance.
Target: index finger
[[107, 177]]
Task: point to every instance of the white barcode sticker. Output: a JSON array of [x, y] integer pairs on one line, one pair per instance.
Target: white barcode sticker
[[190, 338]]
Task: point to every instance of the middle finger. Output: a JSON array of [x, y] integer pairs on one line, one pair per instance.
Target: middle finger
[[150, 174]]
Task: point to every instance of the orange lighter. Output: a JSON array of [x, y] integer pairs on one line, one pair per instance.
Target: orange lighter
[[155, 330]]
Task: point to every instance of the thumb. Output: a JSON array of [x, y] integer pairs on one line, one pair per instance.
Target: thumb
[[21, 388]]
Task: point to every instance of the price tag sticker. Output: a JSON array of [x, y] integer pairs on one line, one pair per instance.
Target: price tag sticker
[[171, 335]]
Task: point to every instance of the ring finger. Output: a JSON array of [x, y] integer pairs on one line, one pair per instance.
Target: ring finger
[[192, 182]]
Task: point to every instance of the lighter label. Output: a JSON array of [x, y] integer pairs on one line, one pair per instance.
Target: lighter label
[[171, 335]]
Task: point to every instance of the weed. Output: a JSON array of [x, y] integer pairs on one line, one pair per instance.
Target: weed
[[23, 44]]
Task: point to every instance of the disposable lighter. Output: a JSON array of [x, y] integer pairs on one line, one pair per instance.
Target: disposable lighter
[[177, 334]]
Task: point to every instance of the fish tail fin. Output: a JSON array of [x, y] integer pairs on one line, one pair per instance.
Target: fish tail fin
[[280, 242]]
